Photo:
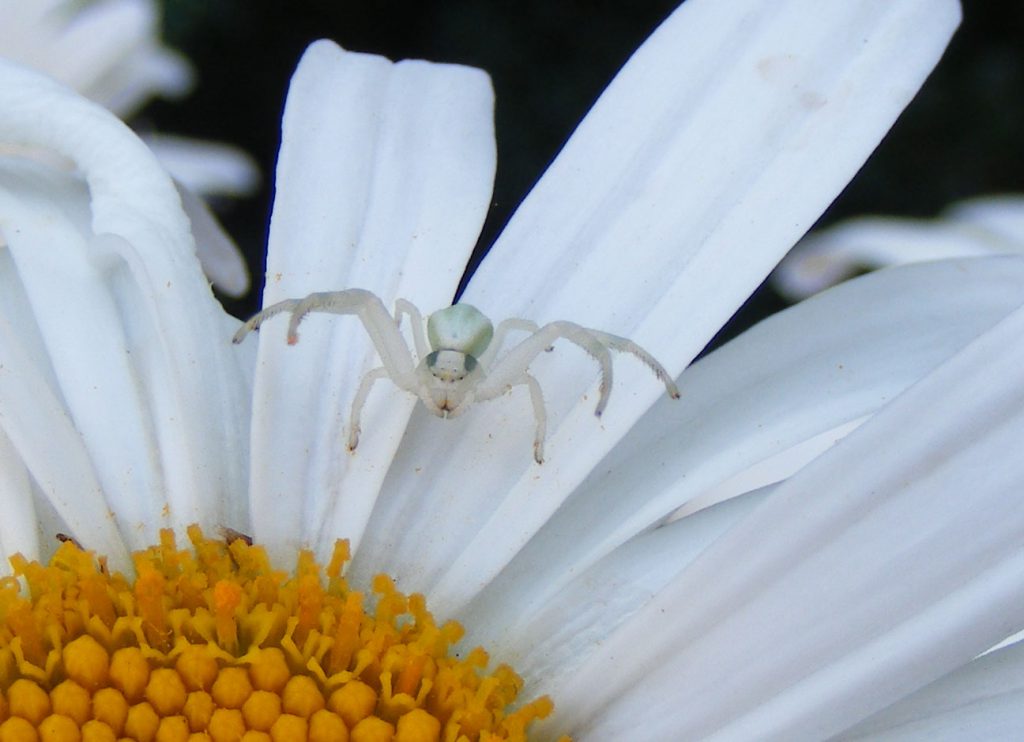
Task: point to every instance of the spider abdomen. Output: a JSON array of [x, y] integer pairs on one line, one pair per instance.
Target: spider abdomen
[[460, 327]]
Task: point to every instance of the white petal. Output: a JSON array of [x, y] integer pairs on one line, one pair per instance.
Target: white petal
[[383, 181], [18, 524], [825, 258], [981, 701], [1000, 216], [37, 425], [147, 72], [826, 362], [548, 641], [222, 261], [771, 469], [715, 148], [205, 168], [86, 347], [110, 53], [177, 334], [990, 225], [983, 226], [887, 563]]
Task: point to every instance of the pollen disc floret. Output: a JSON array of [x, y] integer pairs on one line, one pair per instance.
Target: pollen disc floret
[[211, 643]]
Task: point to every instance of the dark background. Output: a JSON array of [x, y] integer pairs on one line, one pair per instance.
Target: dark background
[[549, 61]]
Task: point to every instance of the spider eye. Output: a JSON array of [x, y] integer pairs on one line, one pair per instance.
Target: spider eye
[[450, 365], [460, 327]]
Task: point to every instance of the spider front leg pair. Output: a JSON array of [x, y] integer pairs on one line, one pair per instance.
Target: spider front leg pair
[[455, 362]]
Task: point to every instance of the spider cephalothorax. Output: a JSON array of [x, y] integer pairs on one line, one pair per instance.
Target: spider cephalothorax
[[456, 356]]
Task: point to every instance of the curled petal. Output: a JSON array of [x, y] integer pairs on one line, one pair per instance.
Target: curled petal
[[176, 391]]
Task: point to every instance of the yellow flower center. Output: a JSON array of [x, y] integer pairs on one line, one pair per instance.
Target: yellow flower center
[[212, 644]]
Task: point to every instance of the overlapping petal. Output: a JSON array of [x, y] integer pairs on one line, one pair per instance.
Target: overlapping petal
[[983, 700], [204, 167], [883, 565], [110, 52], [151, 408], [220, 259]]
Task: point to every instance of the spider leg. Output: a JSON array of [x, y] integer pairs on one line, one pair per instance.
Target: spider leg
[[540, 416], [500, 332], [419, 338], [254, 322], [625, 345], [486, 392], [357, 403], [379, 325], [507, 370]]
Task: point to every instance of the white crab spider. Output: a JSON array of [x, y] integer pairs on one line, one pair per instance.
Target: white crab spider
[[456, 354]]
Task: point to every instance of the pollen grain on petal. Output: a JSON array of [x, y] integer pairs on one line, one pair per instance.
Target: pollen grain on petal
[[210, 642]]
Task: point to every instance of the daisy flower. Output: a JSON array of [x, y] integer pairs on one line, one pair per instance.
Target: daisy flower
[[848, 588], [992, 225]]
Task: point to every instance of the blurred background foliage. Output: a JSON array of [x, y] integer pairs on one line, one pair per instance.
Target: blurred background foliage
[[960, 137]]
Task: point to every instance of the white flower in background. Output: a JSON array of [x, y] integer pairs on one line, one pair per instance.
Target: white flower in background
[[110, 51], [868, 574], [992, 225]]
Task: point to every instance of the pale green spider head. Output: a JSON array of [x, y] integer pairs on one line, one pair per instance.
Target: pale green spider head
[[458, 335], [460, 327]]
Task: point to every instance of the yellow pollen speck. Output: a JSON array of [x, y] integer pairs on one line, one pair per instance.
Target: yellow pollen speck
[[197, 668], [327, 726], [59, 728], [268, 669], [372, 729], [142, 722], [261, 710], [212, 644], [97, 731], [172, 729], [198, 709], [71, 699], [165, 691], [17, 729], [353, 702], [302, 697], [231, 688], [289, 727], [418, 726], [86, 662], [129, 672], [28, 700], [226, 725], [109, 706]]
